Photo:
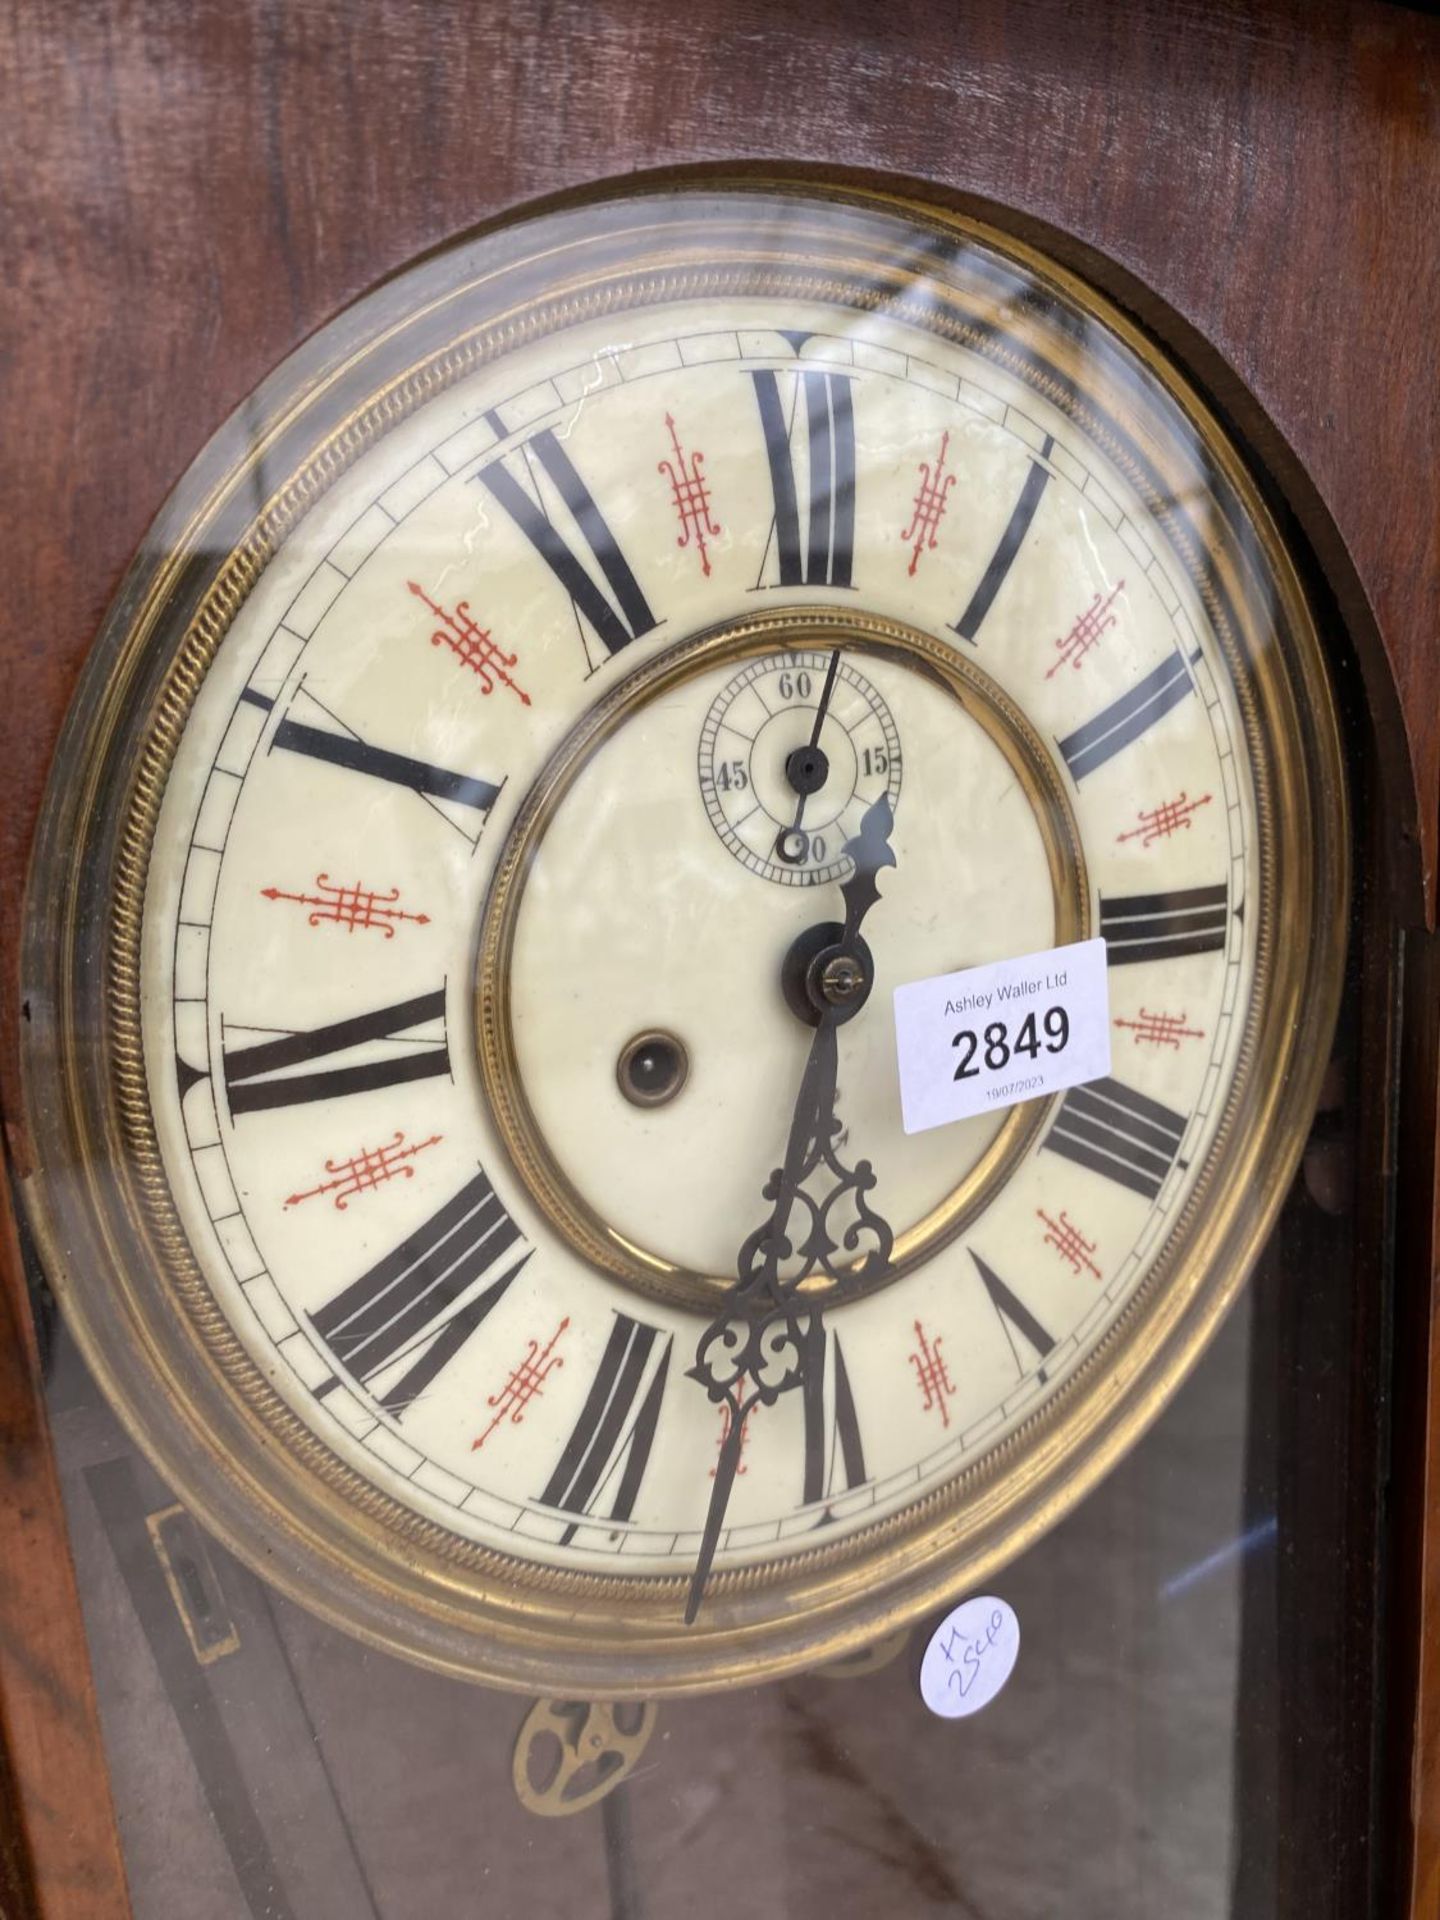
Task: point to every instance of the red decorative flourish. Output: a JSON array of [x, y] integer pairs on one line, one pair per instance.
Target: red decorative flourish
[[931, 500], [522, 1384], [471, 645], [1085, 634], [1161, 1029], [726, 1416], [1069, 1242], [932, 1375], [691, 492], [371, 1167], [357, 908], [1160, 822]]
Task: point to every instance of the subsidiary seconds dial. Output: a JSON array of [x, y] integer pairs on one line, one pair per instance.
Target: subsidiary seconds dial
[[787, 773]]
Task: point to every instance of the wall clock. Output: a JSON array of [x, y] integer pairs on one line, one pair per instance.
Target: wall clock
[[913, 398], [556, 715]]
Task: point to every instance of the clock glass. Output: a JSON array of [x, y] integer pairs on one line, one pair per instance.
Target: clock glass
[[548, 727]]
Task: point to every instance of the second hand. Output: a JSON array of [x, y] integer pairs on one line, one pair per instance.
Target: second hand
[[807, 770]]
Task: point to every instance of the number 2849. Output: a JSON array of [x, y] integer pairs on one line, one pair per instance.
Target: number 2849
[[1050, 1030]]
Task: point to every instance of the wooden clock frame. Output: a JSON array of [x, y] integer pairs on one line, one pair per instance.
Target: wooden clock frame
[[202, 186]]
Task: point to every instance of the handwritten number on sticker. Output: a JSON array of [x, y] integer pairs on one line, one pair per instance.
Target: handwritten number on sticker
[[965, 1654], [970, 1657]]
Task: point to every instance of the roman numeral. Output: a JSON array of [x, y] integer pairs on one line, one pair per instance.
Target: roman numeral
[[827, 555], [1015, 1316], [355, 755], [833, 1450], [1162, 926], [1127, 718], [405, 1302], [1113, 1130], [338, 745], [611, 1442], [1011, 540], [617, 619], [257, 1077], [187, 1076]]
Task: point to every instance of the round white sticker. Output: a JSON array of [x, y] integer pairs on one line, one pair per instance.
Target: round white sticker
[[971, 1655]]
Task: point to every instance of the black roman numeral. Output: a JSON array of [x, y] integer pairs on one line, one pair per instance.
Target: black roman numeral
[[1113, 1130], [1127, 718], [1015, 1316], [625, 614], [355, 755], [257, 1077], [1003, 558], [616, 1427], [1162, 926], [827, 555], [338, 745], [187, 1076], [442, 1349], [404, 1302], [458, 798], [832, 1431]]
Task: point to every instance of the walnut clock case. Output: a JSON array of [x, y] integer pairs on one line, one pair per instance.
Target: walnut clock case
[[457, 1103]]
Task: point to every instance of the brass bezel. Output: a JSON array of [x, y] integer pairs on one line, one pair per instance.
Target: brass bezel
[[99, 1202]]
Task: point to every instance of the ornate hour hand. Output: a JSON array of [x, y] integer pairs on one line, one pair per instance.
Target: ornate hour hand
[[763, 1343]]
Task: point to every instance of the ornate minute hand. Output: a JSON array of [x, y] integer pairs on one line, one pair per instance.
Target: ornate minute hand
[[760, 1345]]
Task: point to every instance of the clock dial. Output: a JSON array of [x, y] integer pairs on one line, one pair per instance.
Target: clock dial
[[551, 796], [763, 758]]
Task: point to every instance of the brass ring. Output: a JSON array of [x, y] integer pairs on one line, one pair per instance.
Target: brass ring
[[535, 1164]]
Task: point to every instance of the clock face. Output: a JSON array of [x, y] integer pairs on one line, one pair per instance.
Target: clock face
[[642, 660]]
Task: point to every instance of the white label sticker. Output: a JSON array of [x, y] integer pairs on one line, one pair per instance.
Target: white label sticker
[[977, 1041], [972, 1653]]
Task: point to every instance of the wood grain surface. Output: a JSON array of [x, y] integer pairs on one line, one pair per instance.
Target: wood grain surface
[[59, 1855], [1415, 1640], [193, 189], [190, 187]]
